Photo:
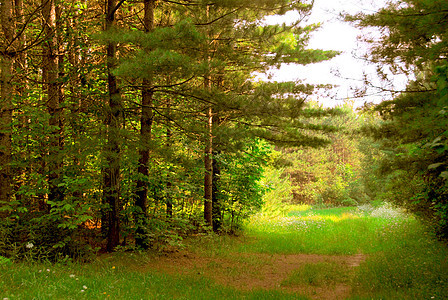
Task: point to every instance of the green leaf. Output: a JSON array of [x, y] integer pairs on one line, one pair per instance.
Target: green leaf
[[435, 166], [444, 175]]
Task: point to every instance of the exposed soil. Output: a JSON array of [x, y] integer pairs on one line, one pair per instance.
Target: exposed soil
[[259, 271]]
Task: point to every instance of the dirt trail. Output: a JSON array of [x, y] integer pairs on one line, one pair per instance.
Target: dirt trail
[[258, 271]]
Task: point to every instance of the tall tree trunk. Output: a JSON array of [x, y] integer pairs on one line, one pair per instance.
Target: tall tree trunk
[[169, 184], [75, 99], [22, 91], [6, 69], [111, 192], [52, 89], [216, 204], [208, 164], [21, 57], [146, 120]]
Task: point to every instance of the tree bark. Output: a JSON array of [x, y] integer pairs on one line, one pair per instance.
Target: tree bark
[[146, 121], [6, 69], [111, 192], [216, 205], [52, 89], [169, 184], [208, 176]]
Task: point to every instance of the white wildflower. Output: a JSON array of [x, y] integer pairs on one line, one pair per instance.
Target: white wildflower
[[29, 245], [84, 287], [72, 275]]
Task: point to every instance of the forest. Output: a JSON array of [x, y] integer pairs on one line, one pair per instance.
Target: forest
[[142, 125]]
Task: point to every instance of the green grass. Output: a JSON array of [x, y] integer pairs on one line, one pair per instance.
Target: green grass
[[324, 231], [114, 278], [318, 274], [414, 267], [308, 211], [404, 261]]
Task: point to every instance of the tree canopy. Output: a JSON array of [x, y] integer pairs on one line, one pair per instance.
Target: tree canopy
[[122, 122]]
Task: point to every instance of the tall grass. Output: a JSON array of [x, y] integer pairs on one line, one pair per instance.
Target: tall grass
[[325, 231], [415, 266]]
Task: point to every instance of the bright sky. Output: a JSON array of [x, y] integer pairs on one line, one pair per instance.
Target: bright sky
[[345, 70]]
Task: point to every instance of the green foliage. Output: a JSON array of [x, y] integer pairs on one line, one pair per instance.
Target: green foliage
[[241, 189], [43, 242], [194, 57], [329, 175], [278, 190], [413, 156], [4, 261], [412, 150], [416, 32]]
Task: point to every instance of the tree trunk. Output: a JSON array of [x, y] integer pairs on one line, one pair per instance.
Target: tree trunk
[[216, 205], [6, 69], [146, 120], [21, 92], [111, 192], [208, 176], [169, 184], [52, 89]]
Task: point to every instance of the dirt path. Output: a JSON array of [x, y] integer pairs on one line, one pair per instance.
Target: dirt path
[[259, 271]]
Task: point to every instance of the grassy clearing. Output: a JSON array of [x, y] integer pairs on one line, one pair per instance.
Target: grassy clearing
[[325, 231], [116, 277], [404, 261]]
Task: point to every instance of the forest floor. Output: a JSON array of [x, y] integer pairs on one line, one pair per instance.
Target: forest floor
[[256, 271], [340, 253]]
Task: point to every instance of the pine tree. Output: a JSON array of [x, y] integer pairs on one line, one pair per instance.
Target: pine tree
[[6, 68], [113, 146], [51, 65], [232, 45], [146, 121], [413, 130]]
